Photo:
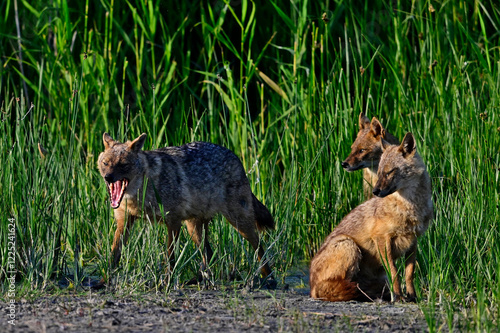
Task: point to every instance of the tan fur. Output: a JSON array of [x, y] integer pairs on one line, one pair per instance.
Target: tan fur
[[367, 150], [190, 183], [378, 232], [344, 251]]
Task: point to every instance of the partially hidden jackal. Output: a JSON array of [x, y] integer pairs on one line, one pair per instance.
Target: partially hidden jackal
[[190, 183], [367, 150], [353, 260]]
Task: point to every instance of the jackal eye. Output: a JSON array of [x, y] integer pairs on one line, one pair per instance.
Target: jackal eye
[[105, 163], [362, 150], [387, 174]]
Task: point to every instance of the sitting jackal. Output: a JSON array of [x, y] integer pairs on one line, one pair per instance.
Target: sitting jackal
[[353, 260], [191, 183]]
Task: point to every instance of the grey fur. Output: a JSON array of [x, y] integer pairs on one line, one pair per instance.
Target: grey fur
[[193, 182]]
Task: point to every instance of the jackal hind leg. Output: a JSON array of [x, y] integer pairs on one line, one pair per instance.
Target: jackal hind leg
[[247, 227]]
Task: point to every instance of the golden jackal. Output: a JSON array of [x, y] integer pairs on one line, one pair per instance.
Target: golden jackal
[[192, 183], [352, 262], [366, 151]]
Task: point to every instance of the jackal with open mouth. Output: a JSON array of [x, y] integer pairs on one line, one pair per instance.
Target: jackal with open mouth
[[190, 183]]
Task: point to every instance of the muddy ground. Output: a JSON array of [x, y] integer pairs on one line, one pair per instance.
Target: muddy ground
[[194, 310]]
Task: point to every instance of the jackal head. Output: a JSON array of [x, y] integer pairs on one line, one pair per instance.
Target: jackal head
[[119, 165], [367, 148], [399, 166]]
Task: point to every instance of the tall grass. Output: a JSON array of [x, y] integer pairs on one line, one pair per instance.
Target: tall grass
[[279, 83]]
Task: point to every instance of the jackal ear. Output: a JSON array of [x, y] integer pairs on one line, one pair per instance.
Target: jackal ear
[[377, 128], [385, 144], [408, 147], [137, 144], [364, 122], [107, 140]]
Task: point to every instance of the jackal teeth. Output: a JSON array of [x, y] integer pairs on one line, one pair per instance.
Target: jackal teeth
[[116, 191]]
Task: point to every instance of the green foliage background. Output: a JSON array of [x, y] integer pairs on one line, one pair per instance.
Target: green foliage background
[[281, 83]]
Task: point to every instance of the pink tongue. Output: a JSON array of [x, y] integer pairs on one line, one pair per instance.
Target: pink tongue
[[115, 190]]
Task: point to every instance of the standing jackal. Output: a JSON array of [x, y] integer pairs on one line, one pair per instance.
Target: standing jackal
[[191, 183], [352, 262], [366, 151]]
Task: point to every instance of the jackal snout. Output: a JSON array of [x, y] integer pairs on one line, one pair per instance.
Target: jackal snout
[[360, 159], [111, 178], [383, 193]]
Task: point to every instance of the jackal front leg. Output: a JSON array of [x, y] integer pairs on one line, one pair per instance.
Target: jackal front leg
[[121, 234], [384, 245], [411, 259], [174, 229]]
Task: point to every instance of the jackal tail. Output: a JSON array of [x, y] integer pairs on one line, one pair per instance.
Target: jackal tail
[[334, 268], [263, 217], [335, 290]]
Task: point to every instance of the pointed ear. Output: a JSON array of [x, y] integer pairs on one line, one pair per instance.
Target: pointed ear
[[408, 147], [137, 144], [107, 140], [377, 128], [364, 122], [385, 144]]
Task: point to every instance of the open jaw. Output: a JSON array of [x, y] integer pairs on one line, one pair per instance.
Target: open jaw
[[116, 191]]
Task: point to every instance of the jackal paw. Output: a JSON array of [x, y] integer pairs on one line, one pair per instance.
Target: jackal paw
[[263, 283], [94, 284], [203, 278], [396, 298], [270, 283], [410, 299]]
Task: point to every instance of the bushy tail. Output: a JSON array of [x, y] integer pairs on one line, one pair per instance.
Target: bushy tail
[[263, 217], [335, 290], [334, 268]]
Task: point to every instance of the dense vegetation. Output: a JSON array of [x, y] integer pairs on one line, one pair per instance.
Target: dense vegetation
[[281, 84]]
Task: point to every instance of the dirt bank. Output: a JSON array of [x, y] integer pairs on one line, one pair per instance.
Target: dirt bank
[[190, 310]]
